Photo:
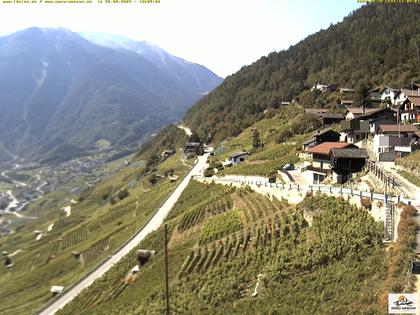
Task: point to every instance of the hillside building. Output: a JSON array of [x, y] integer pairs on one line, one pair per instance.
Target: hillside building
[[388, 94], [193, 148], [337, 160], [319, 137], [238, 157]]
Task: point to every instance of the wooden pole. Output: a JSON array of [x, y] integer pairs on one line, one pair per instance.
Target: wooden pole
[[166, 270]]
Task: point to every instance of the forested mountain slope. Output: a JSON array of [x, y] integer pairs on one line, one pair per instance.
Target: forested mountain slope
[[376, 45]]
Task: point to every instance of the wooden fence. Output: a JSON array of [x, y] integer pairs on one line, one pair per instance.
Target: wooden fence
[[381, 174]]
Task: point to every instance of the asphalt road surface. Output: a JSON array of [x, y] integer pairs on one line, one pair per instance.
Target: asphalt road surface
[[153, 224]]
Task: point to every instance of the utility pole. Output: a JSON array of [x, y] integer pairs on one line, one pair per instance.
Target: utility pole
[[166, 270]]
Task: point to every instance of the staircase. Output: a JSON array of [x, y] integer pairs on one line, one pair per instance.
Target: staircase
[[389, 222]]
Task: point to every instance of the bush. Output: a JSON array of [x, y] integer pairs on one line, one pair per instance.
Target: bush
[[152, 160], [304, 123], [283, 135], [366, 203], [152, 179], [123, 194], [85, 193], [209, 172]]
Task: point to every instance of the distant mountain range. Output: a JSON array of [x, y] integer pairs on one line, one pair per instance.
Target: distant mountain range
[[196, 76], [60, 94]]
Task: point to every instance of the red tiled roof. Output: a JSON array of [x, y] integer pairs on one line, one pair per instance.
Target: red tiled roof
[[325, 147]]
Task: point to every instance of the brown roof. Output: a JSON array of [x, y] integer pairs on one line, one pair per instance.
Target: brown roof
[[236, 154], [389, 88], [415, 100], [398, 128], [315, 111], [407, 92], [359, 111], [325, 147], [328, 115]]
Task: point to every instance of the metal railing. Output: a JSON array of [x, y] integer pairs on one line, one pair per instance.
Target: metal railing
[[328, 189]]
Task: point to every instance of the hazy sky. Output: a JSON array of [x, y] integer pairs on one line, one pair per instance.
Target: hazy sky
[[223, 35]]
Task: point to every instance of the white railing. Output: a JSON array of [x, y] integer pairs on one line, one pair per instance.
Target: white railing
[[328, 189]]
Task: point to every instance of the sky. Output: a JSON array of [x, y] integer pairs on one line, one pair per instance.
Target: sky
[[223, 35]]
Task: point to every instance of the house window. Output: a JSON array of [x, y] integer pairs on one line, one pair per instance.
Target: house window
[[241, 159]]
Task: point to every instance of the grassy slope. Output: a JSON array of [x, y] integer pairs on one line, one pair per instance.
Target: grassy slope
[[335, 266], [267, 160], [95, 228], [411, 168]]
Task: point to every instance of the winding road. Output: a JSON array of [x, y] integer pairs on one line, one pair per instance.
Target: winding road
[[154, 223]]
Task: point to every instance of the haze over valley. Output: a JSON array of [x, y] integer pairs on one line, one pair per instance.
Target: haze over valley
[[63, 96], [133, 181]]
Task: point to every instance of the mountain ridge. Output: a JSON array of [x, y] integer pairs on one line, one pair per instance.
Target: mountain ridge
[[62, 93], [375, 45], [174, 66]]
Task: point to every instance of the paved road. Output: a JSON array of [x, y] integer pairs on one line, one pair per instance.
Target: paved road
[[410, 189], [297, 177], [153, 224]]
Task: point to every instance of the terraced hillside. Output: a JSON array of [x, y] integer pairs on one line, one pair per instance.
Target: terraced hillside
[[281, 137], [58, 247], [232, 251]]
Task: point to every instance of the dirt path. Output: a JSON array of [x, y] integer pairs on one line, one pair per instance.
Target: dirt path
[[410, 189]]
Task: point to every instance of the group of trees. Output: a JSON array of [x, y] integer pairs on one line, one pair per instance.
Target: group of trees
[[376, 45], [122, 194]]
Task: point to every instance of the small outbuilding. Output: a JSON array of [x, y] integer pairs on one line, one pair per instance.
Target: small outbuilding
[[167, 153], [56, 289], [239, 157], [143, 256], [193, 148], [345, 161]]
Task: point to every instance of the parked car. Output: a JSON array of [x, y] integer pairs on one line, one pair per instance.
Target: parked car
[[288, 167]]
